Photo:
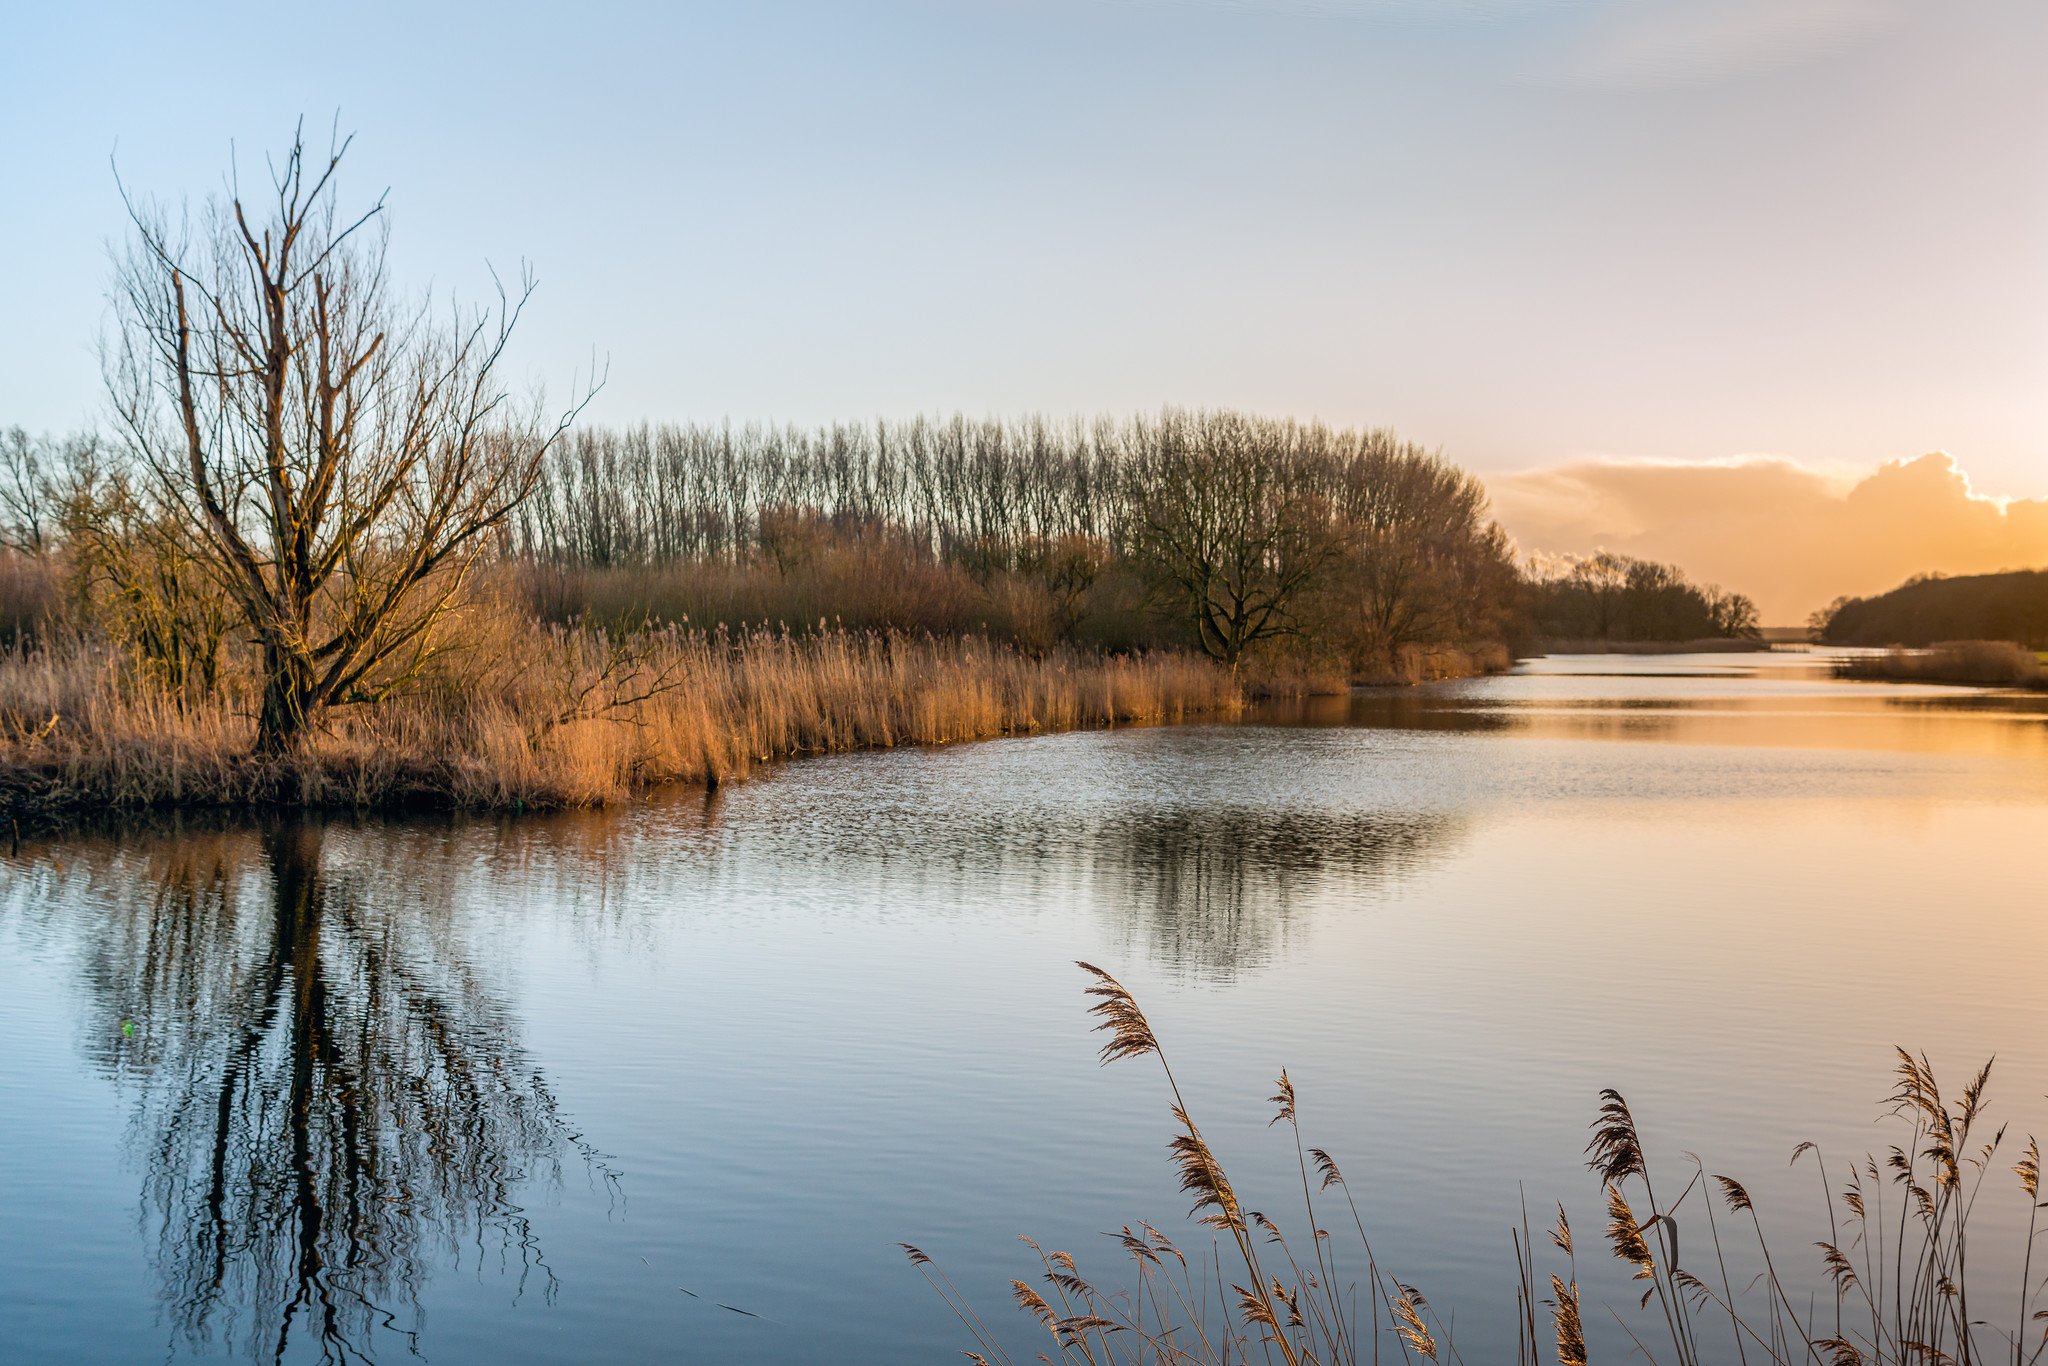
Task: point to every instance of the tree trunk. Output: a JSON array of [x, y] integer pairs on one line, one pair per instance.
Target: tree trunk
[[287, 699]]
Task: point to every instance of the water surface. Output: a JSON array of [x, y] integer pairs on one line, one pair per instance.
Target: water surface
[[669, 1084]]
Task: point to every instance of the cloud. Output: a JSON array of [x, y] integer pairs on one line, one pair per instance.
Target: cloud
[[1617, 44], [1696, 42], [1791, 536]]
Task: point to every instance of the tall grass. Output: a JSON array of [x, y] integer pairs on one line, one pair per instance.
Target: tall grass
[[1897, 1256], [571, 717], [1986, 663]]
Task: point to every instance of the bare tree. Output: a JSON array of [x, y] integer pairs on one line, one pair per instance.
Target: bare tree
[[1223, 530], [1734, 614], [1396, 590], [31, 488], [342, 457]]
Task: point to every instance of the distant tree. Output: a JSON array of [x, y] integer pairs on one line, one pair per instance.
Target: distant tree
[[1598, 584], [132, 568], [2011, 605], [1822, 619], [1418, 546], [1072, 521], [1227, 536], [1065, 568], [339, 459], [1733, 614], [1398, 595], [1618, 597], [33, 471]]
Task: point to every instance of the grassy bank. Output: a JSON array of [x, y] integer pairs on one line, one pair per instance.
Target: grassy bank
[[571, 717], [1983, 663], [571, 618], [554, 687]]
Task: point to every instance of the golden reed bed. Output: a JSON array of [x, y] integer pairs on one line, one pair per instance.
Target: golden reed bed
[[570, 718]]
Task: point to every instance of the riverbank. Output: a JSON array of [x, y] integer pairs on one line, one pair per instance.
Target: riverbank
[[1414, 664], [566, 716], [579, 718], [1704, 646], [1980, 663]]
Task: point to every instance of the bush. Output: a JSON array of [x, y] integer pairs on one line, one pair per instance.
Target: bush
[[1989, 663]]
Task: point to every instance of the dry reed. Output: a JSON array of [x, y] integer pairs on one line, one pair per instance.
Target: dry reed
[[1897, 1257], [1985, 663], [572, 717]]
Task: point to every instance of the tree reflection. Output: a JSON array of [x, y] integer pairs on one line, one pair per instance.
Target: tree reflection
[[1213, 890], [329, 1097]]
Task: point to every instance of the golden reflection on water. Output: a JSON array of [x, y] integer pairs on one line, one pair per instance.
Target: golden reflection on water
[[1779, 700]]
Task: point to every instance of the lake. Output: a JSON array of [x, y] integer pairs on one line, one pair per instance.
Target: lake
[[671, 1083]]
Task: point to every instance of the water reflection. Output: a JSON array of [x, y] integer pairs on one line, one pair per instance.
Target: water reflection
[[332, 1093], [327, 1096], [1787, 700], [1211, 892], [1202, 884]]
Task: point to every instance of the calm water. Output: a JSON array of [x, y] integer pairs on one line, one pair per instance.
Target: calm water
[[567, 1088]]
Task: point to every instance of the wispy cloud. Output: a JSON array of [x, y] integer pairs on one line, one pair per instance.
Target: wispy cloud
[[1647, 43], [1619, 44], [1791, 536], [1421, 9]]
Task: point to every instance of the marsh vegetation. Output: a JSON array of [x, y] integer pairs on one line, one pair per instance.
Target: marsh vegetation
[[1985, 663], [1896, 1255]]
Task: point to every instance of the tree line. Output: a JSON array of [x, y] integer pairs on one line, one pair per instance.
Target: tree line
[[1237, 529], [1930, 608], [1618, 598]]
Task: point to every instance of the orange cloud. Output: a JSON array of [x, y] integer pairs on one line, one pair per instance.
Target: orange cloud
[[1789, 536]]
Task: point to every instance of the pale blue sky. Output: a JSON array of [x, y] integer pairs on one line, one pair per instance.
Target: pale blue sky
[[1529, 231]]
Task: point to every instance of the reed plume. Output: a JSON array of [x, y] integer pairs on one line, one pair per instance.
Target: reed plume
[[1571, 1332], [1615, 1152], [1130, 1033]]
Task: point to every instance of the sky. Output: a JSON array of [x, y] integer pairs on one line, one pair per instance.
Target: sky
[[1556, 239], [1791, 536]]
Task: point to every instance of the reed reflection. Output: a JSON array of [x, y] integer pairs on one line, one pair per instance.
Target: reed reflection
[[329, 1100]]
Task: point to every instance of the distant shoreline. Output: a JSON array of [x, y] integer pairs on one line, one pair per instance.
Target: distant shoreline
[[1709, 645]]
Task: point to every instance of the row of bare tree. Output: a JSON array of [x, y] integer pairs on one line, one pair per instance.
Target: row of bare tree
[[1244, 528]]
